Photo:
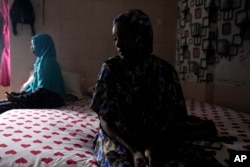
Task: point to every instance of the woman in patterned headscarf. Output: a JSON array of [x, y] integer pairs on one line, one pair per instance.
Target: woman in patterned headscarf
[[138, 99], [46, 89]]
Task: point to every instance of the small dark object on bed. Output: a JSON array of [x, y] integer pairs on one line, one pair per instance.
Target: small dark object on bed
[[224, 138], [208, 144], [200, 129]]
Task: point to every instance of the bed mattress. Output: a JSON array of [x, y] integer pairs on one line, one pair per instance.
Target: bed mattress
[[48, 137], [64, 137]]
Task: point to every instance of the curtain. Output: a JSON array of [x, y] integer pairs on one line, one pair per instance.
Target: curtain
[[5, 56]]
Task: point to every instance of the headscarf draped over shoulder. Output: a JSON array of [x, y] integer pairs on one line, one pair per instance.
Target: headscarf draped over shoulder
[[140, 24], [47, 71]]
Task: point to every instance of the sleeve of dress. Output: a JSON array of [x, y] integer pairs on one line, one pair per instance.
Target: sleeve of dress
[[27, 89], [174, 108], [104, 99]]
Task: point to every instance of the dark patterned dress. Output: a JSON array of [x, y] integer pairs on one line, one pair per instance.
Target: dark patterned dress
[[41, 98], [143, 101]]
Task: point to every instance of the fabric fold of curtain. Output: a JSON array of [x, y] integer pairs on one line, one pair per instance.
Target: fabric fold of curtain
[[5, 58]]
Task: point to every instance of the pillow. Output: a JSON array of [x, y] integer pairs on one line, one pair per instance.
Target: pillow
[[72, 84]]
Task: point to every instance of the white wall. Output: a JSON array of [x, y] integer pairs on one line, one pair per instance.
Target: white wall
[[233, 97], [82, 33]]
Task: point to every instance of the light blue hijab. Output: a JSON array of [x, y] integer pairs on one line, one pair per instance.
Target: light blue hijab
[[47, 71]]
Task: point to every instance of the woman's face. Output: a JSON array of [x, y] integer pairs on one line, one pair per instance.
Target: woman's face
[[125, 40]]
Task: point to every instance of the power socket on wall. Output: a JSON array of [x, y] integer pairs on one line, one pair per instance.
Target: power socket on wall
[[159, 22]]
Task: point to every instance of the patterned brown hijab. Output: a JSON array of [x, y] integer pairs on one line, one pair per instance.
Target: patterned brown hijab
[[140, 24]]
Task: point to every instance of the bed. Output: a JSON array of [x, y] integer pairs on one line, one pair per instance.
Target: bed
[[48, 137], [64, 137], [233, 125]]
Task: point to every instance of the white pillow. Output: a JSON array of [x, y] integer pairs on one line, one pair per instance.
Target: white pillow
[[72, 84]]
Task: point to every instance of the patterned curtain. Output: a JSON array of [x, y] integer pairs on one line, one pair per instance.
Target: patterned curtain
[[5, 54]]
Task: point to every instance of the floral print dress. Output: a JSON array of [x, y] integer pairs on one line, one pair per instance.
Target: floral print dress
[[143, 101]]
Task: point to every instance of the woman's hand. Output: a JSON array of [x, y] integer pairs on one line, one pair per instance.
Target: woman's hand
[[15, 93], [154, 157], [149, 157], [13, 97], [139, 159]]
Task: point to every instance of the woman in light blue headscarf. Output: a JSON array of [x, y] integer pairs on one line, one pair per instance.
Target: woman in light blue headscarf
[[46, 90], [47, 72]]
